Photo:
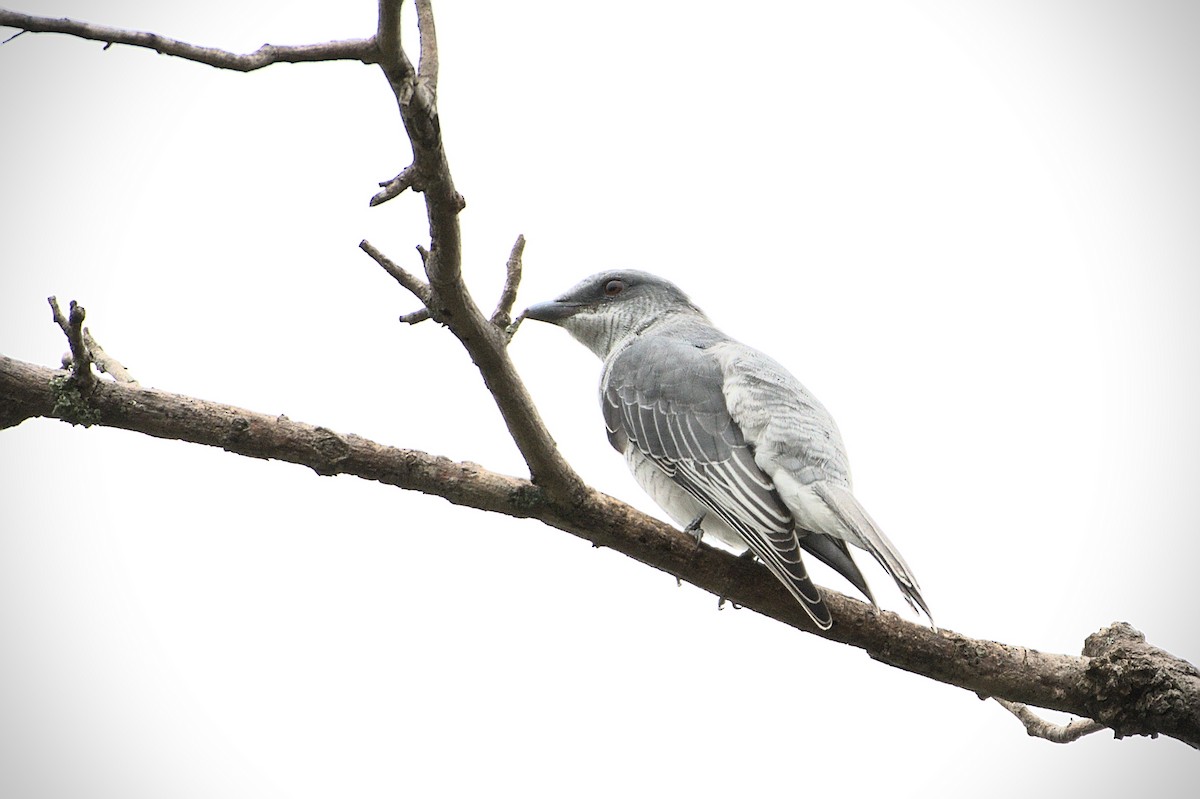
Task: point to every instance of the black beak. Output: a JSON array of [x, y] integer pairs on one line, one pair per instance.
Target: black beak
[[553, 311]]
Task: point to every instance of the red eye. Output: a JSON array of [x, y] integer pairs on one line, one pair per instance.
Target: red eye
[[613, 287]]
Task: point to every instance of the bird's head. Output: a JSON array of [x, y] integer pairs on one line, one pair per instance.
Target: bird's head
[[606, 308]]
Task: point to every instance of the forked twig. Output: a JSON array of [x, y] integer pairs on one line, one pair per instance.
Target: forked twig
[[418, 287]]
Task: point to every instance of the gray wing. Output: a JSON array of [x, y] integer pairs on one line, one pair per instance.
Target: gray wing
[[798, 446], [665, 397]]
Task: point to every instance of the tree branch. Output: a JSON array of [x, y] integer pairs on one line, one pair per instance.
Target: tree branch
[[80, 360], [105, 362], [1126, 684], [450, 302], [414, 284], [345, 50], [394, 187], [415, 93], [85, 350], [1038, 727], [415, 317], [502, 316]]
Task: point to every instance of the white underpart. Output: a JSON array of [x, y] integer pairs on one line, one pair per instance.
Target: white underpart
[[681, 506]]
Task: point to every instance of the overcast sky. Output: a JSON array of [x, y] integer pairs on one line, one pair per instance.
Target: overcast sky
[[969, 228]]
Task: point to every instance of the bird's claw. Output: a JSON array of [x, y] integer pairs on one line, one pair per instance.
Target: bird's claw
[[693, 527]]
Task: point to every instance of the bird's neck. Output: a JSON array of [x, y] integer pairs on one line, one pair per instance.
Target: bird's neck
[[608, 335]]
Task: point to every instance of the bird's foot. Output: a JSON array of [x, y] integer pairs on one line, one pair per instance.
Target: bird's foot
[[693, 527]]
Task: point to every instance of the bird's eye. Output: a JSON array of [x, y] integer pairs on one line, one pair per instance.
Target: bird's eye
[[613, 287]]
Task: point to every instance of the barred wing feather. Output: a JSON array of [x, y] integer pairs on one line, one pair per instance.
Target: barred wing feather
[[664, 397]]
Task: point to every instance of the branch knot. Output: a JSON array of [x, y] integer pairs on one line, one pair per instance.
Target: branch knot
[[1139, 688]]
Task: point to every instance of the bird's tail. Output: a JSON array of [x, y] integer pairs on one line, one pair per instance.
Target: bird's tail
[[871, 538], [834, 553]]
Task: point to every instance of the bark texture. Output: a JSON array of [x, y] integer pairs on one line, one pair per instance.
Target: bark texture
[[1119, 680]]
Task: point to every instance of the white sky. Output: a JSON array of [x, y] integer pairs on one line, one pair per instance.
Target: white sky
[[969, 228]]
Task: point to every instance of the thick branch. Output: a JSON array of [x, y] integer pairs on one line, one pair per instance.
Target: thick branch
[[1122, 681], [346, 50]]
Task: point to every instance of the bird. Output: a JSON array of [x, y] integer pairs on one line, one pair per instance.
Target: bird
[[723, 437]]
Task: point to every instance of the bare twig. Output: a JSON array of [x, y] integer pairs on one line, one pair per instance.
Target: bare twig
[[345, 50], [414, 284], [502, 316], [80, 360], [1038, 727], [416, 316], [105, 362], [396, 186], [511, 330]]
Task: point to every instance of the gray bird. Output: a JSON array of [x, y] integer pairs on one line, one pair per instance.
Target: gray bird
[[721, 436]]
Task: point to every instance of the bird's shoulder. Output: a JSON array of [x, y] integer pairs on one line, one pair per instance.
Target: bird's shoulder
[[676, 372], [664, 393]]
